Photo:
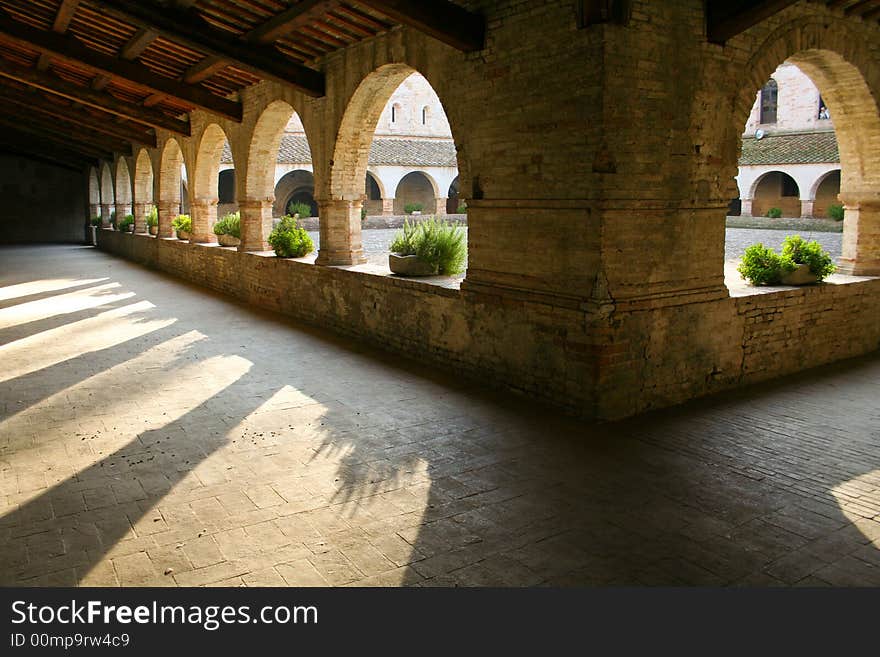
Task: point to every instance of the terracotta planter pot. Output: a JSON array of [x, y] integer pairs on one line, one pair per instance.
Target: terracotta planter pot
[[154, 230], [228, 240], [182, 235], [410, 266]]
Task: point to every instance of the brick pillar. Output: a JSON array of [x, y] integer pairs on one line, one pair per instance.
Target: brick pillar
[[440, 201], [139, 210], [106, 208], [861, 236], [807, 209], [122, 209], [256, 223], [168, 210], [340, 222], [94, 210], [204, 215], [746, 209], [387, 206]]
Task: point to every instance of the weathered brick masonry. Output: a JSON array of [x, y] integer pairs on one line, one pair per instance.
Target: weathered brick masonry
[[597, 165]]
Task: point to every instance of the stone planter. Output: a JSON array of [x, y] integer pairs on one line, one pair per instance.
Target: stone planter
[[93, 231], [154, 230], [410, 266], [228, 240], [800, 276], [182, 235]]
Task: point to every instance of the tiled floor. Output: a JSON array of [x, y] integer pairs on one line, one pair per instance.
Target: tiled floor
[[152, 433]]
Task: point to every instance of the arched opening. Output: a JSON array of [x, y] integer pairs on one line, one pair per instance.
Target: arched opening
[[773, 191], [295, 189], [143, 190], [841, 85], [373, 195], [226, 202], [123, 189], [826, 194], [453, 203], [400, 151], [206, 183], [108, 199], [416, 194], [769, 102], [172, 173], [279, 137]]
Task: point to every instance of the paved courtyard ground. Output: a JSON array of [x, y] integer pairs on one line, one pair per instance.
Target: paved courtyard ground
[[153, 433]]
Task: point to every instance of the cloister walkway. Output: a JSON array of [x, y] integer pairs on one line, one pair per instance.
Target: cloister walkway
[[152, 433]]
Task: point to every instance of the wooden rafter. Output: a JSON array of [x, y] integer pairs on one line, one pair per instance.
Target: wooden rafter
[[35, 103], [445, 21], [295, 17], [24, 145], [71, 50], [727, 18], [76, 134], [57, 86], [189, 28], [38, 133]]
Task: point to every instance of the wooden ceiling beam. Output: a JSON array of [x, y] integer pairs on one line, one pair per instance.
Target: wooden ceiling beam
[[53, 141], [103, 101], [23, 148], [34, 102], [136, 45], [445, 21], [64, 15], [72, 51], [187, 27], [81, 137], [297, 16], [727, 18]]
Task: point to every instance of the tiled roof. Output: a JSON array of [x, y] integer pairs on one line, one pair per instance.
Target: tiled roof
[[416, 152], [793, 148]]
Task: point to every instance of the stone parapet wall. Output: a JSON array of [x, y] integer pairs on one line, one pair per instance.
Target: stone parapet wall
[[578, 358]]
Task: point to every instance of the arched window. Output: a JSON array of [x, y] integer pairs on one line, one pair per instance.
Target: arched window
[[769, 101], [425, 115], [395, 112]]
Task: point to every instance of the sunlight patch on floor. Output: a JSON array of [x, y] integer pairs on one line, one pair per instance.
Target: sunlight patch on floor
[[40, 287]]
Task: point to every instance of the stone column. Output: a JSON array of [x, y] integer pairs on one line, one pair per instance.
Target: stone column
[[106, 209], [340, 222], [440, 201], [122, 209], [139, 210], [168, 211], [204, 215], [861, 236], [746, 209], [256, 223], [807, 208], [387, 206]]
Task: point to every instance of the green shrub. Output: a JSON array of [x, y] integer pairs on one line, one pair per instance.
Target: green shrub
[[802, 252], [96, 221], [182, 223], [289, 239], [763, 266], [125, 222], [152, 217], [299, 208], [438, 243], [462, 208], [835, 211], [230, 224], [113, 219], [363, 212], [774, 213], [409, 208]]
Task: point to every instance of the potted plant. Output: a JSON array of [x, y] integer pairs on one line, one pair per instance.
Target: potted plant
[[126, 224], [289, 239], [152, 220], [800, 263], [113, 219], [774, 213], [182, 224], [228, 229], [428, 248]]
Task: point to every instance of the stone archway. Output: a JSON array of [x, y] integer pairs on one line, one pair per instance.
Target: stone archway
[[775, 189], [205, 183], [826, 192], [122, 189], [170, 180], [108, 199], [94, 193], [842, 69], [416, 188], [143, 190]]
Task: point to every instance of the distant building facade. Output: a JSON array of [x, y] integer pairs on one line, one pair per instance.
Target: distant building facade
[[412, 161], [789, 155]]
